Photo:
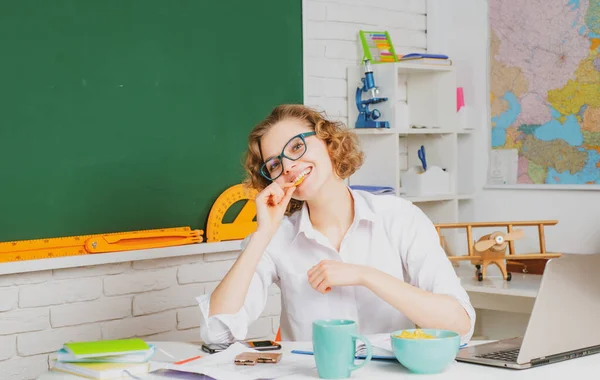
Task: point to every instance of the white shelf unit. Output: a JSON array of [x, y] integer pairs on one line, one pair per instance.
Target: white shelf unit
[[421, 110]]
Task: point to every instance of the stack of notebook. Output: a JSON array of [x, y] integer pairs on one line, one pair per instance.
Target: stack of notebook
[[106, 359]]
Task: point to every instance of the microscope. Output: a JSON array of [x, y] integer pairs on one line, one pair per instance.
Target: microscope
[[366, 118]]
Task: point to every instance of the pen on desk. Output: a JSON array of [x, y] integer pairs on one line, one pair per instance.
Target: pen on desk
[[302, 352], [187, 360]]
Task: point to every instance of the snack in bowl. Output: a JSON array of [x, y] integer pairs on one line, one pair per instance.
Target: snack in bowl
[[416, 334], [425, 351]]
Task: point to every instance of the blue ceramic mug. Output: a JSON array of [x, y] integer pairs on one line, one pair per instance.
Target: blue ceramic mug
[[334, 347]]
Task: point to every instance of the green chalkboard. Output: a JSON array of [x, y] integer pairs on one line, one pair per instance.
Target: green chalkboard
[[120, 115]]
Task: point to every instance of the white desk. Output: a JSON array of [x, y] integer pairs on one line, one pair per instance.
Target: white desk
[[581, 368], [503, 307]]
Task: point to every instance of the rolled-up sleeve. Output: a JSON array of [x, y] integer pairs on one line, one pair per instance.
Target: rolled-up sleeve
[[429, 268], [226, 328]]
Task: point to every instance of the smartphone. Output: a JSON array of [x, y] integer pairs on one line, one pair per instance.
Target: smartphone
[[262, 345], [214, 348]]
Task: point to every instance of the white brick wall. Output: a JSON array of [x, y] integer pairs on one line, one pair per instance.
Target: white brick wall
[[9, 297], [168, 299], [331, 43], [18, 321], [91, 271], [140, 281], [40, 311], [41, 342], [168, 262], [85, 312], [188, 318], [25, 278], [140, 326], [203, 271], [155, 299], [60, 292], [8, 345]]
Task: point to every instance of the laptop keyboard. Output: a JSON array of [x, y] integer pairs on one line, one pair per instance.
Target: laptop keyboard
[[507, 356]]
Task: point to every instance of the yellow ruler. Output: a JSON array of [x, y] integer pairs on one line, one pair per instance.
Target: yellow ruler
[[100, 243], [242, 226]]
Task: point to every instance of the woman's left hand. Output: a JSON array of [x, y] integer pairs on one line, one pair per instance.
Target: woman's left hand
[[328, 273]]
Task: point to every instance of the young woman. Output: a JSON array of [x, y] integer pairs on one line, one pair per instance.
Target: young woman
[[333, 251]]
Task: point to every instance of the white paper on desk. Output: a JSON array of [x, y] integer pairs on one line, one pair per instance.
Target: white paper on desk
[[381, 344], [221, 366]]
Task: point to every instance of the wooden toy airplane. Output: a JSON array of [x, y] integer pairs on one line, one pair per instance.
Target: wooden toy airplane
[[491, 248]]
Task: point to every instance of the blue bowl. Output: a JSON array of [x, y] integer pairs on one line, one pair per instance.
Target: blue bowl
[[426, 356]]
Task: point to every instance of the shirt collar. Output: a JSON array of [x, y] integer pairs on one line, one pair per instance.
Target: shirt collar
[[362, 211]]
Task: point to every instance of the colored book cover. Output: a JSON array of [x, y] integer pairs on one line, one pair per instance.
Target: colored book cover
[[106, 347], [64, 356]]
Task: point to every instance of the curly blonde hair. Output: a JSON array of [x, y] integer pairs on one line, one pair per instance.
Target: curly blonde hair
[[342, 145]]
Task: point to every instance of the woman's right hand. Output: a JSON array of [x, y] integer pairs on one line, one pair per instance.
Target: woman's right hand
[[271, 204]]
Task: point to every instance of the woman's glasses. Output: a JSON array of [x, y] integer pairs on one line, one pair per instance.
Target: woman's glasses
[[293, 150]]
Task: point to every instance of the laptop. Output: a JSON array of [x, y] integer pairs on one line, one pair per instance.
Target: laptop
[[563, 324]]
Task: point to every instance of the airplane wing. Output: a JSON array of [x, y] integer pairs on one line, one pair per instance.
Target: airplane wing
[[466, 257]]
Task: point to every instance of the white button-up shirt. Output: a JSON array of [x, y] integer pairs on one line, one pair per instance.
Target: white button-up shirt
[[388, 233]]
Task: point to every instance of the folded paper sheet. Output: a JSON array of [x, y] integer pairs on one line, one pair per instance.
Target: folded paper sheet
[[221, 366]]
